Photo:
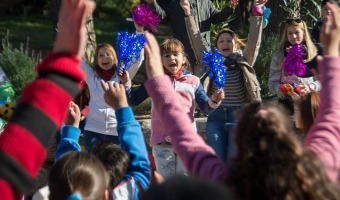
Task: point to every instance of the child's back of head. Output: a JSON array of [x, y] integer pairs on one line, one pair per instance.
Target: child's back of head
[[78, 174], [114, 159], [187, 188], [271, 163]]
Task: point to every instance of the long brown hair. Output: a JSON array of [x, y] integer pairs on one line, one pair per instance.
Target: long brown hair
[[271, 163], [311, 48], [308, 106]]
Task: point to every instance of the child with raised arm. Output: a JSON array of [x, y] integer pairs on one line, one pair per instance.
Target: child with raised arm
[[241, 85], [44, 103], [127, 165], [190, 90], [271, 163], [101, 122]]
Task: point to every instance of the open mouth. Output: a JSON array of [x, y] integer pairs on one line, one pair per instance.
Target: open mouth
[[173, 65], [225, 50]]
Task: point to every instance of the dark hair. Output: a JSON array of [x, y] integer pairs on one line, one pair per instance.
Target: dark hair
[[238, 41], [323, 3], [114, 159], [80, 173], [187, 188], [271, 163]]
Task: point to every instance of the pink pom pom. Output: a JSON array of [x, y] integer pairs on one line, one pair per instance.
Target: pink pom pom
[[144, 15], [293, 63]]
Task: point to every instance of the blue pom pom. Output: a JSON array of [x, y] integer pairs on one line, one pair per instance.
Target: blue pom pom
[[128, 48], [215, 67], [266, 14]]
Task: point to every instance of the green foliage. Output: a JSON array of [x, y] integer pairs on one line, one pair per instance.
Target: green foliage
[[309, 12], [18, 65], [111, 9], [215, 28], [269, 46]]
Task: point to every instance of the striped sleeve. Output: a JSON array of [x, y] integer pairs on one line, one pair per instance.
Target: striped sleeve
[[40, 112]]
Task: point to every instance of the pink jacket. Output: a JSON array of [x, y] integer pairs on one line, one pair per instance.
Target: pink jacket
[[200, 159], [324, 136]]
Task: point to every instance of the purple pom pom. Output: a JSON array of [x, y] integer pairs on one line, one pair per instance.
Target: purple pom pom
[[215, 67], [128, 48], [293, 63], [144, 15]]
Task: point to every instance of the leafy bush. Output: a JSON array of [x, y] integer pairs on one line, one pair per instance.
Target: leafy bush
[[268, 47], [112, 9], [18, 65]]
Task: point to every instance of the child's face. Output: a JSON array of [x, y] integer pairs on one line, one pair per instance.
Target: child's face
[[297, 117], [173, 61], [226, 44], [105, 59], [325, 11], [295, 35]]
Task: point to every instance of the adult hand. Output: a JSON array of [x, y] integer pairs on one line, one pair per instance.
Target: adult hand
[[73, 116], [72, 34], [260, 2], [153, 62], [233, 3], [185, 6], [114, 94], [330, 33]]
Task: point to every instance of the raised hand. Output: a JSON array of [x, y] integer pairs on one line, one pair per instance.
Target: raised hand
[[114, 94], [72, 34], [73, 116], [185, 6], [260, 2], [233, 3], [153, 62], [330, 33]]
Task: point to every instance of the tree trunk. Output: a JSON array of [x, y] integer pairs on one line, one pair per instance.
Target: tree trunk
[[91, 40]]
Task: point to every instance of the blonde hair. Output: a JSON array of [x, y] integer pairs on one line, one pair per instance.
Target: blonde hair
[[238, 41], [172, 45], [311, 49], [108, 48]]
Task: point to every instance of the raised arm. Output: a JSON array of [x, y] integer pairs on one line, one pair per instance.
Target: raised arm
[[254, 37], [158, 9], [129, 132], [44, 103], [324, 136], [199, 158], [70, 133], [194, 34]]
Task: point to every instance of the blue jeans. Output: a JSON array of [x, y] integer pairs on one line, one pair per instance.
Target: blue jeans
[[220, 131], [92, 138]]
